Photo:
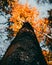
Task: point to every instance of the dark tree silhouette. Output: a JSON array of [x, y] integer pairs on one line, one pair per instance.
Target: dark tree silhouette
[[24, 49], [50, 1]]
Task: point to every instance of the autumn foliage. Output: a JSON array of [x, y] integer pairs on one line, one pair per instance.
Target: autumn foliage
[[24, 13]]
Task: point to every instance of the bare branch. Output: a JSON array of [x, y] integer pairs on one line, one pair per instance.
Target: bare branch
[[47, 35]]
